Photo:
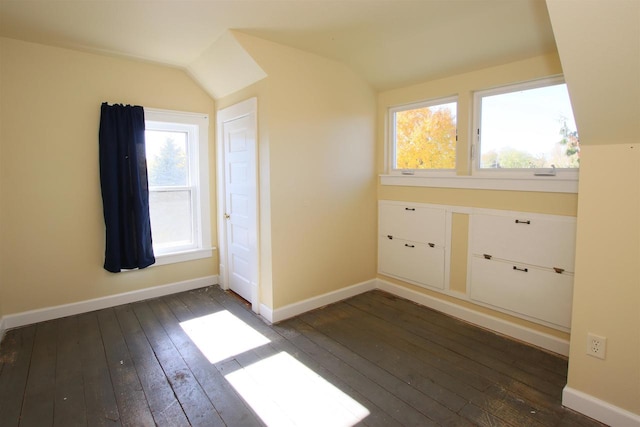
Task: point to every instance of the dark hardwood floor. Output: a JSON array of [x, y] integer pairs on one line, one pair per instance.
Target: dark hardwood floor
[[202, 358]]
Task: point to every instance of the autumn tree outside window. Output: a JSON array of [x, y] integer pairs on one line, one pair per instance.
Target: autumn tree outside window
[[424, 136]]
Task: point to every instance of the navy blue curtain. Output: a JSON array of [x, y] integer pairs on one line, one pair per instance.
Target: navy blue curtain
[[124, 184]]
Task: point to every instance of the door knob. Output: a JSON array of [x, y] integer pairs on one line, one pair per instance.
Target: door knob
[[227, 216]]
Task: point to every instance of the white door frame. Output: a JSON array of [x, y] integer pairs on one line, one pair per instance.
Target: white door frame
[[236, 111]]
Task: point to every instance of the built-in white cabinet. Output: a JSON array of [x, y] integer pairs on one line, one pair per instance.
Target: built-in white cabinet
[[523, 263], [412, 243], [518, 263]]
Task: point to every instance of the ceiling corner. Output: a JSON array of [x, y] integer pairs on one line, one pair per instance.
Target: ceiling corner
[[225, 67]]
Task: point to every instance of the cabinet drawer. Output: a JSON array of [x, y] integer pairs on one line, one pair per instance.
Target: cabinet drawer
[[414, 223], [547, 242], [537, 293], [412, 261]]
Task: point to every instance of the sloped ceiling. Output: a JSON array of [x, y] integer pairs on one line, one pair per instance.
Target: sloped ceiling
[[599, 46], [225, 67], [390, 43]]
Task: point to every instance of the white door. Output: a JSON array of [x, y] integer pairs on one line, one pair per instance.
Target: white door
[[239, 249]]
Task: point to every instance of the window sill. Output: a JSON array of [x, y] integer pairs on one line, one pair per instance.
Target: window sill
[[192, 255], [539, 184]]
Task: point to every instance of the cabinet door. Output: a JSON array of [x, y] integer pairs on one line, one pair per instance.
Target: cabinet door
[[537, 293], [543, 241], [416, 262], [414, 223]]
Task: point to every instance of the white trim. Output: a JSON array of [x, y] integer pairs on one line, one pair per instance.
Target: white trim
[[241, 109], [159, 114], [598, 409], [543, 184], [266, 313], [2, 328], [391, 136], [56, 312], [475, 142], [224, 283], [197, 126], [236, 111], [184, 256], [448, 208], [309, 304], [523, 333]]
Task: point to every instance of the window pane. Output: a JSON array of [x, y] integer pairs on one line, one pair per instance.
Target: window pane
[[171, 218], [167, 158], [425, 138], [531, 128]]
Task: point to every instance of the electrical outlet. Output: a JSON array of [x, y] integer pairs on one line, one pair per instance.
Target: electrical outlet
[[596, 346]]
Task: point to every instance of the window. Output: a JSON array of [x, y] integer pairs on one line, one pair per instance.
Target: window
[[527, 128], [177, 164], [522, 137], [423, 137]]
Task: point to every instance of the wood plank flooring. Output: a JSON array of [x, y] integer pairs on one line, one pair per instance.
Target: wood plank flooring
[[374, 360]]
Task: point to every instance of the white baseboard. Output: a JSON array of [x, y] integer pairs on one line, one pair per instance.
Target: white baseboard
[[56, 312], [522, 333], [297, 308], [528, 335], [266, 313], [598, 409], [525, 334]]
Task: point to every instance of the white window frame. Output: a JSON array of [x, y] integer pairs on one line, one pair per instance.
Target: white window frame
[[391, 139], [197, 127], [540, 174]]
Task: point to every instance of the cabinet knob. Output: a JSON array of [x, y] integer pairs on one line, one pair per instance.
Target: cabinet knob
[[520, 221], [432, 245], [524, 270], [409, 209], [409, 246]]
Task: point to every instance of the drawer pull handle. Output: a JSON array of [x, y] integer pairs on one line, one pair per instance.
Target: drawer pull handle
[[389, 236], [487, 256], [432, 245], [409, 246], [409, 209], [518, 221], [558, 270], [521, 269]]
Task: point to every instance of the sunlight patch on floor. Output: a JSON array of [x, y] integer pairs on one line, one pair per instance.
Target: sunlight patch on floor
[[284, 392], [222, 335]]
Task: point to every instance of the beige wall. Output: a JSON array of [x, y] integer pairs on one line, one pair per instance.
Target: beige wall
[[464, 86], [599, 44], [321, 165], [317, 169], [607, 280], [52, 229]]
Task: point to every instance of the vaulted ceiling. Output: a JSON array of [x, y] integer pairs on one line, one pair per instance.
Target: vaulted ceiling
[[390, 43]]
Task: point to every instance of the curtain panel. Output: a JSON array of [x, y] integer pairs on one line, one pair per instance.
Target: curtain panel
[[124, 185]]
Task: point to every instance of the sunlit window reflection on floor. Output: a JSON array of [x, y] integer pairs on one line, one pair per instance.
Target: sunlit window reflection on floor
[[284, 392], [222, 335]]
